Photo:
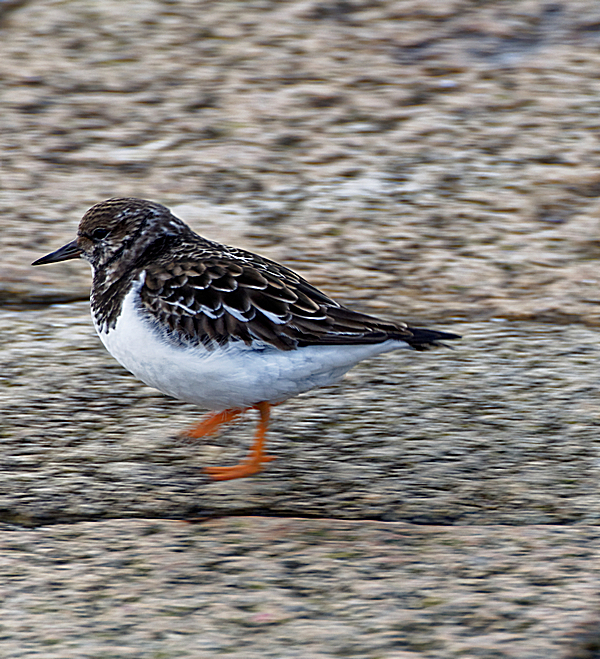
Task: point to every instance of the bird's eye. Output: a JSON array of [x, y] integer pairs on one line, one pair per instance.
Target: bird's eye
[[99, 233]]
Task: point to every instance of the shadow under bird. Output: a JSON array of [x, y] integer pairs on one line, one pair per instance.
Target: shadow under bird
[[218, 326]]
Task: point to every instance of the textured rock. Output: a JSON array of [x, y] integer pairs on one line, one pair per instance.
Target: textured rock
[[254, 587], [429, 161]]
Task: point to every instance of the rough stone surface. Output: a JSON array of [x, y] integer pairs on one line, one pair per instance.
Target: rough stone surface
[[428, 161], [253, 587], [441, 154], [502, 429]]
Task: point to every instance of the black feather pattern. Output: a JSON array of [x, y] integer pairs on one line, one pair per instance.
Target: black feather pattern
[[201, 292], [241, 296]]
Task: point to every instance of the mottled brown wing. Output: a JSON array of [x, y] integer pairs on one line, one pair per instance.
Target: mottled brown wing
[[212, 300]]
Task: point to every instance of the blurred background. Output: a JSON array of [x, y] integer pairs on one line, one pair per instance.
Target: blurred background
[[439, 156], [433, 161]]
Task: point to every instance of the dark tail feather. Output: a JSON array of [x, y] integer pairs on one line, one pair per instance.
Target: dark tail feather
[[423, 339]]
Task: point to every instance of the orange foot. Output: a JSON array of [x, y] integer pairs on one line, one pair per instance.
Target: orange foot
[[253, 463], [210, 424]]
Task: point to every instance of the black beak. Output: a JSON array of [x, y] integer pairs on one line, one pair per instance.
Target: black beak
[[65, 253]]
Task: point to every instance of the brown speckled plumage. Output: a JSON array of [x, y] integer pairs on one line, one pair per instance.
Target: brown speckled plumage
[[215, 325], [203, 292]]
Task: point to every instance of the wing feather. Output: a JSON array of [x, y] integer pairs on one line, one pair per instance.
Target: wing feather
[[211, 299]]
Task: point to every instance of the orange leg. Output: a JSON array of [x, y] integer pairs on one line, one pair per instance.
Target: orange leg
[[211, 423], [253, 463]]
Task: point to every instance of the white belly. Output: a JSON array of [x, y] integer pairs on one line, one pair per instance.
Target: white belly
[[235, 376]]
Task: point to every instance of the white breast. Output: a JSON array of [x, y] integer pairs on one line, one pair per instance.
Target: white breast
[[234, 376]]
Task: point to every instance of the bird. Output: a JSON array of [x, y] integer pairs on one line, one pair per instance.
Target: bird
[[217, 326]]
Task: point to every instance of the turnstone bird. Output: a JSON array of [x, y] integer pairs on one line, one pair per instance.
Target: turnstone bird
[[217, 326]]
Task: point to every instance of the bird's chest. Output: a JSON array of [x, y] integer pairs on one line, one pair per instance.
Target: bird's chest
[[235, 375], [136, 343], [219, 378]]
